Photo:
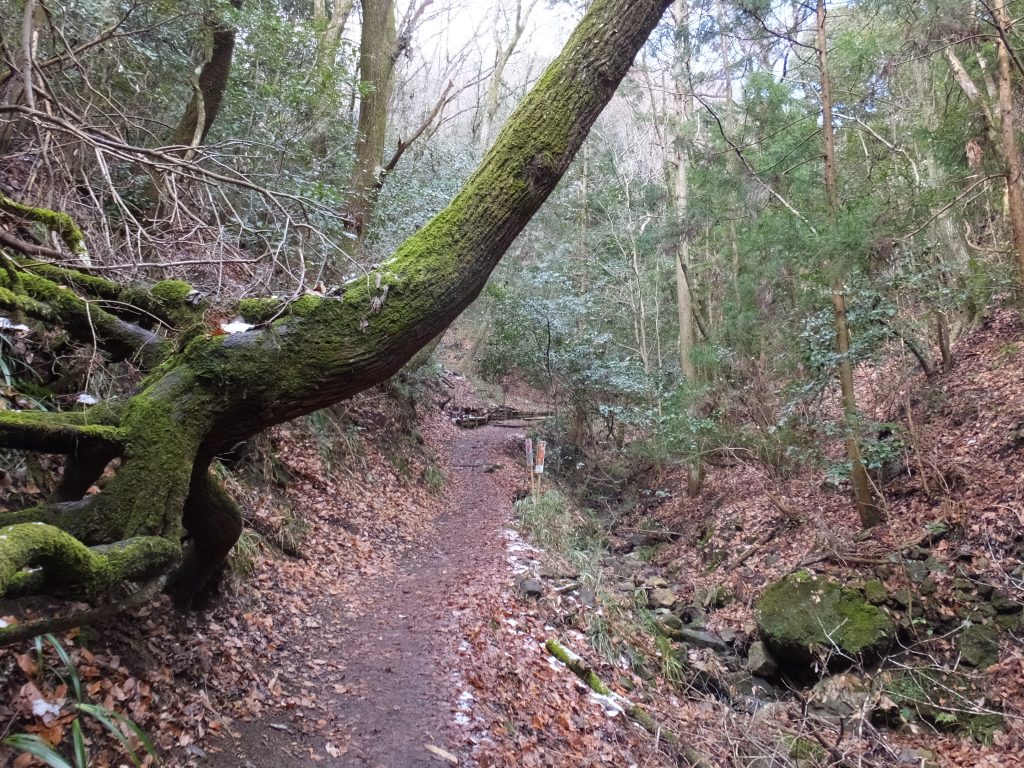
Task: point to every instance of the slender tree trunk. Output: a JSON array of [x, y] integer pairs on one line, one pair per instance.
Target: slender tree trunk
[[867, 509], [947, 228], [210, 86], [1011, 154], [332, 27], [377, 56], [503, 53], [681, 198]]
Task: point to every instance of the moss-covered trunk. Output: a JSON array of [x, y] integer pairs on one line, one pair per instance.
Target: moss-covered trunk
[[316, 351]]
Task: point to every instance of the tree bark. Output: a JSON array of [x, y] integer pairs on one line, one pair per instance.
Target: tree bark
[[332, 28], [1011, 153], [377, 56], [210, 86], [316, 351]]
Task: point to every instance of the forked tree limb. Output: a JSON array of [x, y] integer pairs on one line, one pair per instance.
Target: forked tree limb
[[53, 432]]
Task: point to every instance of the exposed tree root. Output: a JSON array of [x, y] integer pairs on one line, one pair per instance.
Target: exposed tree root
[[74, 568], [214, 521], [15, 633]]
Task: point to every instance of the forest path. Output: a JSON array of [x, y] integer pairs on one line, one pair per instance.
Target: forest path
[[389, 679]]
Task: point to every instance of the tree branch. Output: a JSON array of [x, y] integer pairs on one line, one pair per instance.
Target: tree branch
[[52, 432]]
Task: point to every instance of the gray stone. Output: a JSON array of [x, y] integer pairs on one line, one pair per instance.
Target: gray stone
[[840, 698], [1003, 603], [702, 639], [693, 616], [979, 645], [917, 571], [919, 758], [760, 661], [531, 587], [662, 598], [668, 618], [716, 596], [875, 592], [730, 635], [929, 587]]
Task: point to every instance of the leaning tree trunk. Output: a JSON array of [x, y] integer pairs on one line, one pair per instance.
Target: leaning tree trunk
[[210, 86], [220, 389]]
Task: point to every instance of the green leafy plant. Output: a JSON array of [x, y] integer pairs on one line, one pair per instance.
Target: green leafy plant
[[433, 476], [118, 725]]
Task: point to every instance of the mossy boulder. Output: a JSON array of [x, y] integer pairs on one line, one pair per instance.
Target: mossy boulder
[[802, 618], [979, 645]]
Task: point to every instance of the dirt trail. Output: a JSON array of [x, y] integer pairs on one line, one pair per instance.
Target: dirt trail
[[388, 681]]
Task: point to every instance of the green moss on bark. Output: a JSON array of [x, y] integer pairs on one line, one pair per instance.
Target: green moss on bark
[[71, 567], [58, 221]]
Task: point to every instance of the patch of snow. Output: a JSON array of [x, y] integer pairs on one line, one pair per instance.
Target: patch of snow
[[84, 398], [6, 324], [45, 710], [236, 326]]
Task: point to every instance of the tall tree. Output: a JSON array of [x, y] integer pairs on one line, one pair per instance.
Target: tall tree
[[378, 52], [302, 356], [867, 509], [1008, 129], [503, 52], [682, 102]]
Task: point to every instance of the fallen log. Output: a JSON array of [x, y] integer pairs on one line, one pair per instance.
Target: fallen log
[[634, 712], [469, 417]]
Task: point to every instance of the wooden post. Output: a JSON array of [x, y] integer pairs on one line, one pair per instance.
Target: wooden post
[[539, 465]]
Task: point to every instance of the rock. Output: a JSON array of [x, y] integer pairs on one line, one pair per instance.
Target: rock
[[840, 698], [1003, 603], [979, 645], [929, 587], [804, 616], [875, 592], [760, 661], [531, 587], [744, 685], [701, 639], [693, 616], [588, 596], [1011, 622], [731, 635], [903, 598], [669, 619], [916, 571], [662, 598], [655, 582], [716, 596], [917, 757]]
